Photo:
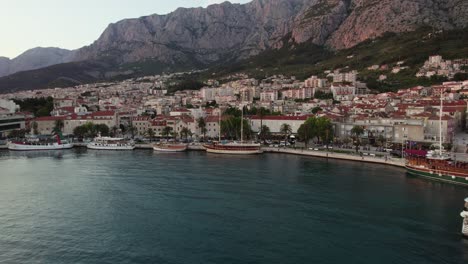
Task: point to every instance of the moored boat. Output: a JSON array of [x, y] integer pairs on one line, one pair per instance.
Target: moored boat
[[437, 164], [234, 148], [441, 169], [163, 147], [109, 143], [464, 215], [31, 144]]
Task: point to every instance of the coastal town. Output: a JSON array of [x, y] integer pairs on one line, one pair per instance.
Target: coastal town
[[144, 107]]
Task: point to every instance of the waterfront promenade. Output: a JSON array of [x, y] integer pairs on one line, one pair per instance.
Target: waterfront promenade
[[303, 152], [330, 155]]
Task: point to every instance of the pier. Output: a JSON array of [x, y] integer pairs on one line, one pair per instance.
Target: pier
[[330, 155]]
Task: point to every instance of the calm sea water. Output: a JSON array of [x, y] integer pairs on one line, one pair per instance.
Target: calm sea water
[[82, 206]]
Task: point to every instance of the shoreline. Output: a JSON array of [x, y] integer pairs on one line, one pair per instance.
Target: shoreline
[[300, 152], [329, 155]]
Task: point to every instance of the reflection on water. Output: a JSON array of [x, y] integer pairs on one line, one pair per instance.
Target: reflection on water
[[82, 206]]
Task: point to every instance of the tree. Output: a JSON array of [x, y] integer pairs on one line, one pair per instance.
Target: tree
[[132, 130], [261, 112], [307, 131], [114, 130], [80, 131], [19, 133], [166, 131], [324, 130], [102, 129], [58, 125], [264, 132], [357, 132], [231, 128], [202, 125], [286, 130], [184, 133], [315, 110], [150, 133], [34, 126]]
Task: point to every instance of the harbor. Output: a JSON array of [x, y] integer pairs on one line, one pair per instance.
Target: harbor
[[190, 204]]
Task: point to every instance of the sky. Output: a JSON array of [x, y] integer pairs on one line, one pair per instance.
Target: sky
[[26, 24]]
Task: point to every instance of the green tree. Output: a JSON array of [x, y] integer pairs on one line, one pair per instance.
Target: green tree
[[150, 134], [357, 132], [166, 131], [315, 110], [231, 128], [324, 129], [202, 125], [18, 133], [307, 131], [286, 130], [102, 129], [114, 130], [80, 131], [35, 126], [265, 132], [184, 133]]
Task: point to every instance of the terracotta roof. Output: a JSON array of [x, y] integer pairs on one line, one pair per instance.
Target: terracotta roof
[[281, 117]]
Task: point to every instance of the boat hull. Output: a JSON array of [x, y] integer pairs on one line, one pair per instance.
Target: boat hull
[[110, 147], [233, 151], [170, 149], [444, 177], [55, 146]]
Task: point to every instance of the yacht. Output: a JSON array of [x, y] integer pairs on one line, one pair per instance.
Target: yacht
[[109, 143], [34, 143]]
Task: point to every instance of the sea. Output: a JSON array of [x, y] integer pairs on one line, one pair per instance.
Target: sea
[[86, 206]]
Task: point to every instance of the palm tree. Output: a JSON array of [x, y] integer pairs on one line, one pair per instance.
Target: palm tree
[[166, 131], [114, 130], [357, 131], [34, 126], [264, 132], [261, 112], [150, 133], [286, 130], [202, 125], [184, 133], [132, 130]]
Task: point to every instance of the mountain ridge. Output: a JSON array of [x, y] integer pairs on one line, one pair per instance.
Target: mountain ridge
[[227, 33]]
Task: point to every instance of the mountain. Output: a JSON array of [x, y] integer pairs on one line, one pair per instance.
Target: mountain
[[34, 59], [224, 34], [228, 31]]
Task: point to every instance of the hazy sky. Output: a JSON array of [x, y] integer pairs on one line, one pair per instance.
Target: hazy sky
[[26, 24]]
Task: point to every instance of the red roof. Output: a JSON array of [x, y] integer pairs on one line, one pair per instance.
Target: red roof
[[281, 117], [49, 118]]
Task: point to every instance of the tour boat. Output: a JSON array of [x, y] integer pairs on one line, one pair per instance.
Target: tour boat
[[170, 147], [109, 143], [36, 144], [464, 215], [436, 164], [233, 148]]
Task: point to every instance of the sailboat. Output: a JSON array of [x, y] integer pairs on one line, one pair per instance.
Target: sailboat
[[437, 164], [234, 148]]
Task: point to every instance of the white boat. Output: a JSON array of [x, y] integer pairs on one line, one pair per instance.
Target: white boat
[[170, 147], [36, 144], [108, 143]]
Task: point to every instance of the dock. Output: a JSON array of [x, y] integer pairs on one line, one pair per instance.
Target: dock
[[330, 155]]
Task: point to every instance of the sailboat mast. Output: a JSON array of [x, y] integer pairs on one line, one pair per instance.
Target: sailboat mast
[[440, 122], [242, 125], [219, 124]]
